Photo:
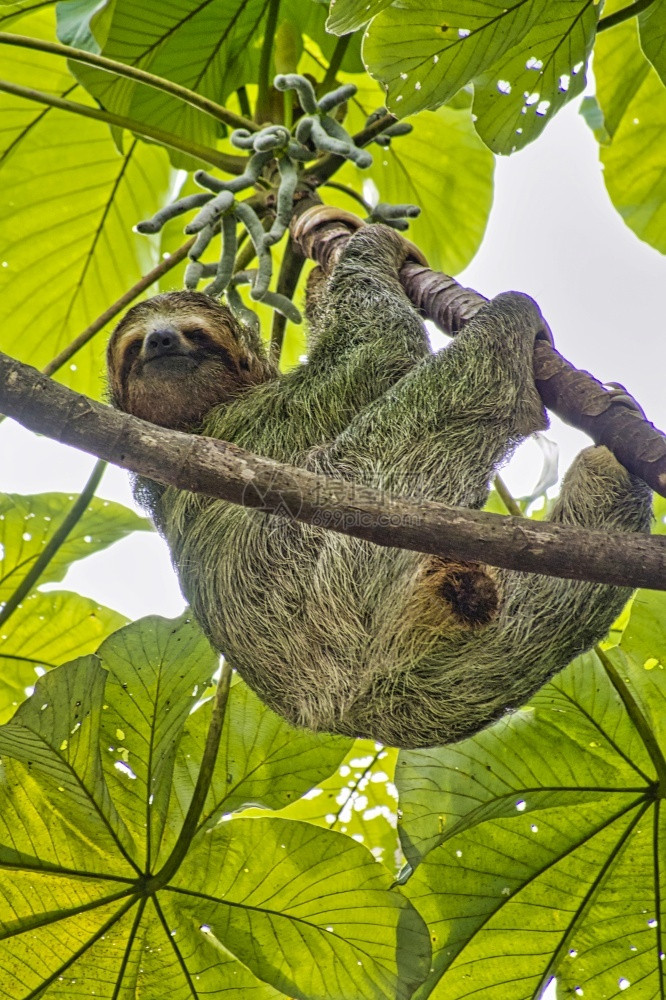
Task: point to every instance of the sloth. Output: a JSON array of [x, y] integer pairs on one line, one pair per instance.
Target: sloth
[[334, 633]]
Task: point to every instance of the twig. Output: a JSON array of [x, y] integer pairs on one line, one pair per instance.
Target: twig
[[198, 800], [74, 515]]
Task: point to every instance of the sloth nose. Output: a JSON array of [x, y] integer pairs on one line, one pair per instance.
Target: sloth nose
[[160, 342]]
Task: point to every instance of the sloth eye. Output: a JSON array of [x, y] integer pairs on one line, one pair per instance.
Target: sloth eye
[[197, 335]]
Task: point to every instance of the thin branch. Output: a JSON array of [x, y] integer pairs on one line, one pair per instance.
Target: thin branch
[[336, 61], [60, 535], [623, 15], [223, 161], [216, 111], [290, 271], [349, 191], [505, 496], [117, 307], [218, 469], [198, 800], [244, 103]]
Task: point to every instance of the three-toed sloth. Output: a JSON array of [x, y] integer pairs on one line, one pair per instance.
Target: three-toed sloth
[[334, 633]]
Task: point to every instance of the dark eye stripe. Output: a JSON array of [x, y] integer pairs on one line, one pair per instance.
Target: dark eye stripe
[[129, 355]]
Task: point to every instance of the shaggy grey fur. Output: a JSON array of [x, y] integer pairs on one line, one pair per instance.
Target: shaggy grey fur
[[339, 635]]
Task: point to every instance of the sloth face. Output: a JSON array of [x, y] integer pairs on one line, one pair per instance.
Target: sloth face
[[174, 357]]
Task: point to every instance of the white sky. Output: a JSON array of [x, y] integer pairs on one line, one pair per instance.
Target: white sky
[[552, 233]]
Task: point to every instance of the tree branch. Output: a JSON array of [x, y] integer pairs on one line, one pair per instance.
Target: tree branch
[[218, 469]]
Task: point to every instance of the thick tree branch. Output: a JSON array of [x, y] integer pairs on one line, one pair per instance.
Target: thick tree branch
[[574, 395], [218, 469]]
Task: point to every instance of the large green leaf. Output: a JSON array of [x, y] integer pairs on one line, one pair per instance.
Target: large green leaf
[[12, 10], [212, 47], [306, 909], [348, 15], [516, 97], [45, 631], [67, 250], [262, 760], [652, 28], [157, 668], [426, 51], [632, 99], [270, 907], [359, 800], [27, 523], [538, 841]]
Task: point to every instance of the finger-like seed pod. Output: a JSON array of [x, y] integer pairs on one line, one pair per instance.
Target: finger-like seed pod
[[302, 86], [221, 203], [337, 96], [225, 267], [242, 138], [241, 311], [179, 207], [201, 242], [250, 220], [285, 200]]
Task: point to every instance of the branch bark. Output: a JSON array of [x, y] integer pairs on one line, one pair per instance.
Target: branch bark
[[574, 395], [219, 469]]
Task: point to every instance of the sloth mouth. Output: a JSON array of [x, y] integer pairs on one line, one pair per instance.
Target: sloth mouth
[[172, 363]]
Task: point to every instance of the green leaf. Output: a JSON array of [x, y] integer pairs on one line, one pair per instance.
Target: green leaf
[[349, 15], [157, 668], [306, 909], [212, 48], [53, 741], [359, 800], [537, 841], [12, 10], [644, 642], [43, 632], [262, 760], [27, 523], [79, 22], [652, 31], [616, 90], [258, 906], [573, 742], [67, 250], [424, 53], [633, 100], [594, 117], [454, 205], [516, 97]]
